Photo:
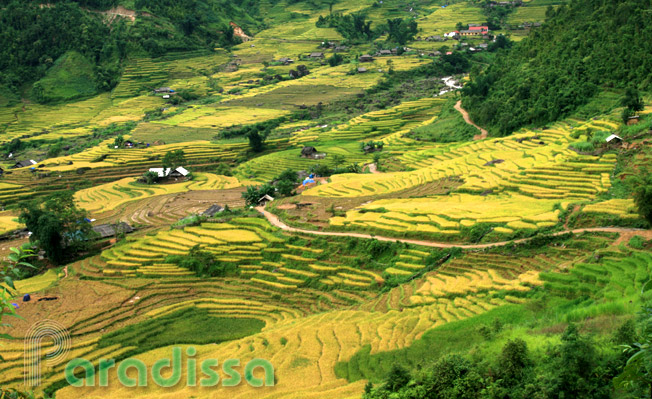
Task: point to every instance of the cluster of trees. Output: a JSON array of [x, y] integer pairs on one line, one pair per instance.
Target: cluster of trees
[[58, 226], [574, 368], [256, 133], [203, 263], [356, 28], [632, 102], [283, 185], [32, 37], [584, 45]]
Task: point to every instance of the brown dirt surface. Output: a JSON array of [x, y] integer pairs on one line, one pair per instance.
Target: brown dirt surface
[[166, 209], [76, 301], [317, 213], [483, 133]]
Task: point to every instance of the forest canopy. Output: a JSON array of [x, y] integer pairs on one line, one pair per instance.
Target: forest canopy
[[34, 37], [584, 45]]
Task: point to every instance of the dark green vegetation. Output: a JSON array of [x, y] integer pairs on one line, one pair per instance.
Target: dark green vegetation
[[516, 349], [188, 326], [584, 46], [70, 77], [203, 263], [58, 225], [448, 127], [575, 368], [356, 28], [162, 26]]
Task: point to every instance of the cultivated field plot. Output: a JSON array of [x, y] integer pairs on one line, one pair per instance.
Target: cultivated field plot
[[447, 215], [533, 173], [443, 19], [111, 195]]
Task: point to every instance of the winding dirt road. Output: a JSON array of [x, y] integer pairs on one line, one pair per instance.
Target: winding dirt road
[[372, 167], [467, 119], [273, 219]]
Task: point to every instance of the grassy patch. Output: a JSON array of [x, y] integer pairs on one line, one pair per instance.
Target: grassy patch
[[189, 326], [448, 127], [70, 77]]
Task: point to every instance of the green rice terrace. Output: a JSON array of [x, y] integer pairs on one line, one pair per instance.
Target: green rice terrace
[[381, 199]]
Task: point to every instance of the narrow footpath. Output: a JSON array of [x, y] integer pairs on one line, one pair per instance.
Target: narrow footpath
[[274, 220], [467, 119]]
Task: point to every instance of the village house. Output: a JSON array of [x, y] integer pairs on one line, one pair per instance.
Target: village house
[[362, 70], [365, 58], [316, 55], [25, 163], [212, 211], [475, 31], [285, 60], [265, 199], [614, 139], [111, 230], [170, 173], [161, 90], [452, 35], [384, 52]]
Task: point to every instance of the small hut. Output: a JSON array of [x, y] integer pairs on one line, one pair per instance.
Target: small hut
[[265, 199]]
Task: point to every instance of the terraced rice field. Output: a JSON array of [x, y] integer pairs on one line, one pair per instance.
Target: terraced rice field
[[533, 172], [111, 195], [447, 215]]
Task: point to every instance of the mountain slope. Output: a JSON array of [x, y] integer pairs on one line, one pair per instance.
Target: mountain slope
[[582, 46]]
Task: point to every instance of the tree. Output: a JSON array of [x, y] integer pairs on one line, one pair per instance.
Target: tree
[[335, 60], [632, 100], [643, 194], [397, 378], [150, 177], [638, 369], [174, 159], [453, 377], [338, 160], [119, 141], [10, 268], [401, 31], [58, 226], [253, 194], [514, 360], [286, 182], [256, 140]]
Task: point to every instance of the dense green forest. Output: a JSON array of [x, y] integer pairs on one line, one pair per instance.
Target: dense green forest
[[34, 37], [583, 46]]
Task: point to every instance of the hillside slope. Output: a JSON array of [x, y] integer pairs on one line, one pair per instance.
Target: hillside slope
[[583, 46]]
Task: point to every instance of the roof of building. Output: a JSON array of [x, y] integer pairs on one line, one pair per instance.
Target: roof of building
[[109, 230], [317, 54], [212, 210], [266, 197], [26, 162], [181, 170], [613, 137], [162, 172]]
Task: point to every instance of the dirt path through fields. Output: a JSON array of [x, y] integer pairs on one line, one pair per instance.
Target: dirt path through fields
[[373, 168], [467, 119], [273, 219]]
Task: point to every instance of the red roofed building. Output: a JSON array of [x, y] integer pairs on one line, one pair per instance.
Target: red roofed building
[[475, 31]]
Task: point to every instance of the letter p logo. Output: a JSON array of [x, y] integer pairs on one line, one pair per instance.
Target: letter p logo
[[36, 341]]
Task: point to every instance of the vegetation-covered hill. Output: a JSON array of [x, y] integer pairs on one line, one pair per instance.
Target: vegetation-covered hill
[[33, 36], [583, 47], [423, 259]]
